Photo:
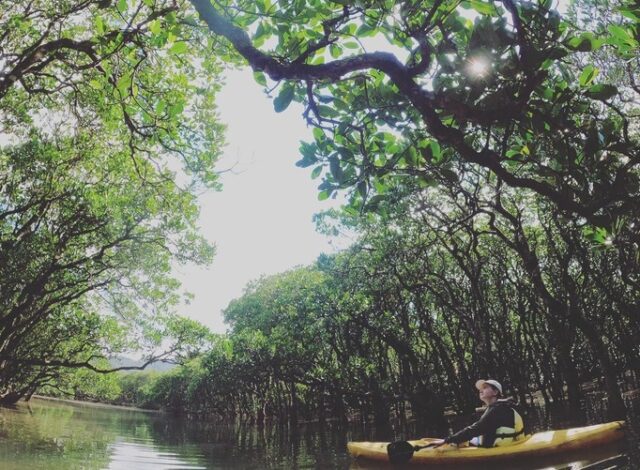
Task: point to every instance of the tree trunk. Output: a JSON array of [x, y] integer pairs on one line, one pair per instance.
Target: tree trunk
[[381, 410], [616, 407], [10, 398], [293, 413]]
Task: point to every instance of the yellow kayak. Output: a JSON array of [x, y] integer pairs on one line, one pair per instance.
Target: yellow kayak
[[540, 444]]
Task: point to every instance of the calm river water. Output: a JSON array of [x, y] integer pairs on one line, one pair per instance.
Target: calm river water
[[60, 435]]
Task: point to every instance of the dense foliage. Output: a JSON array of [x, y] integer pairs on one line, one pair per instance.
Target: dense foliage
[[410, 88], [497, 145], [99, 164], [490, 149], [450, 285]]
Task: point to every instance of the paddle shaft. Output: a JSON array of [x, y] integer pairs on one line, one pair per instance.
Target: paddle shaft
[[402, 451], [433, 444]]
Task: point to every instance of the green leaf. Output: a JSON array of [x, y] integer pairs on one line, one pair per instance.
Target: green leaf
[[620, 33], [123, 84], [260, 78], [160, 107], [283, 100], [482, 7], [327, 111], [316, 172], [260, 35], [411, 156], [427, 181], [179, 47], [435, 148], [308, 150], [318, 133], [365, 31], [602, 92], [630, 14], [155, 27], [588, 74], [323, 195], [375, 202], [336, 169], [595, 234], [122, 6], [99, 23], [362, 189], [176, 109], [585, 42], [431, 150]]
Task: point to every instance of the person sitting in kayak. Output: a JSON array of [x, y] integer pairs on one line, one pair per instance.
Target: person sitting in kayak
[[500, 424]]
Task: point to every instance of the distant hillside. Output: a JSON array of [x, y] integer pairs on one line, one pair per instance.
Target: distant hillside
[[122, 361]]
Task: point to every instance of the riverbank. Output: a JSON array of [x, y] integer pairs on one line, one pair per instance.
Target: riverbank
[[94, 404]]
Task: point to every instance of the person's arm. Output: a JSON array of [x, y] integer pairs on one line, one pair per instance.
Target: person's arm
[[484, 425]]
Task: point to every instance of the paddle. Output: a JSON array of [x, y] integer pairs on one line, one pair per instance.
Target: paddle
[[402, 451]]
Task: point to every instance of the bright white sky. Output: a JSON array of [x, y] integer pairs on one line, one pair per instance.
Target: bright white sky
[[261, 221]]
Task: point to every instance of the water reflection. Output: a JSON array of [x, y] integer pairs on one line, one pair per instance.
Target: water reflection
[[144, 455], [53, 435]]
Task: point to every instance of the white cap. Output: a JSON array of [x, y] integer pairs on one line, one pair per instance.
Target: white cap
[[494, 383]]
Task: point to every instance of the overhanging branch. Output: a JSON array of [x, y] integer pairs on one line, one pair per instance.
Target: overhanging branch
[[425, 102], [83, 364]]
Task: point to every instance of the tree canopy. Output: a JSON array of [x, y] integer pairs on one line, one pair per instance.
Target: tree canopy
[[126, 71], [445, 287], [490, 150], [408, 88], [108, 128]]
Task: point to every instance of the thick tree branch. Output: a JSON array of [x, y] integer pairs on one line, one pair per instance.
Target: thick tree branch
[[83, 364]]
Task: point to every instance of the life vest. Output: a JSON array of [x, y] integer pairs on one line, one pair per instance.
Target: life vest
[[504, 435]]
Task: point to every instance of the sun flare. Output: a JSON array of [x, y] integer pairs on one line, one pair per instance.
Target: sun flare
[[478, 66]]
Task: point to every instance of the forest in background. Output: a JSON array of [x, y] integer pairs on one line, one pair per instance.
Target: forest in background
[[403, 322], [491, 165]]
